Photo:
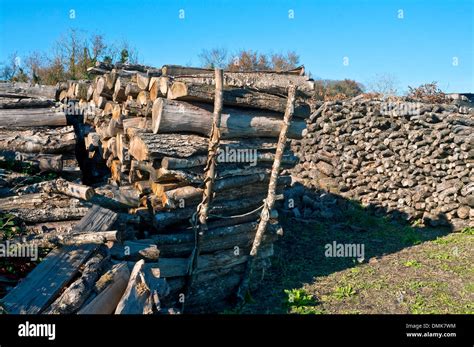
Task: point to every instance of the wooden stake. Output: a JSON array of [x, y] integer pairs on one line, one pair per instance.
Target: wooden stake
[[210, 170], [270, 200]]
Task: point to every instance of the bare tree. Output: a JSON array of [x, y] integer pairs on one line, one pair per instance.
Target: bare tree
[[9, 69], [385, 84], [247, 60], [282, 62], [212, 58]]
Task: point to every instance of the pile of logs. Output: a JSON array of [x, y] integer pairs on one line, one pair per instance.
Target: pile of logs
[[413, 160], [36, 139], [151, 128]]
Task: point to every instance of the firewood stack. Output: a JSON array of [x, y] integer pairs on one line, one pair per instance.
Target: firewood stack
[[36, 141], [412, 160], [151, 129]]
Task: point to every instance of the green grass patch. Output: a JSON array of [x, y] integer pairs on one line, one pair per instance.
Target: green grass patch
[[412, 263], [344, 292]]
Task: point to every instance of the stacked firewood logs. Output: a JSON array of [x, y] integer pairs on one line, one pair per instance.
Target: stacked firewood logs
[[151, 128], [35, 141], [411, 159]]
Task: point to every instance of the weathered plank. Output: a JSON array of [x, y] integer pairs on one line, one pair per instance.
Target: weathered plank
[[97, 218], [44, 283]]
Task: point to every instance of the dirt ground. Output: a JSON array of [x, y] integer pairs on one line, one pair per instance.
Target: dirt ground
[[407, 269]]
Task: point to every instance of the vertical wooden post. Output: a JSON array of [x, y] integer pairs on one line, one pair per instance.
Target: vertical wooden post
[[200, 225], [213, 148], [270, 200]]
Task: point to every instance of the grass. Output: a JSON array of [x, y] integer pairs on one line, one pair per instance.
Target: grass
[[298, 301], [344, 292], [408, 268], [412, 263]]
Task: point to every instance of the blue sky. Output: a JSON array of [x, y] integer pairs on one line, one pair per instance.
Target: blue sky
[[421, 47]]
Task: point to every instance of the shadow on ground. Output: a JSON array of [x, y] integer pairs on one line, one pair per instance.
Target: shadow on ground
[[319, 219]]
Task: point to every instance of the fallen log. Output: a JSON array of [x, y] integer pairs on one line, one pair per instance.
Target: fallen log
[[75, 295], [25, 103], [229, 237], [51, 141], [41, 207], [40, 162], [109, 288], [268, 82], [131, 250], [60, 186], [137, 296], [200, 160], [148, 146], [174, 117], [178, 70], [32, 117], [188, 91], [177, 267], [26, 90]]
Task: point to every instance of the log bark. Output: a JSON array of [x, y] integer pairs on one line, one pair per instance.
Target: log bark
[[163, 220], [182, 244], [52, 141], [131, 250], [41, 162], [174, 117], [148, 146], [76, 294], [38, 208], [270, 199], [32, 117], [247, 98], [137, 293], [60, 186], [26, 90], [24, 103], [271, 83], [110, 288], [200, 160], [222, 259], [178, 70]]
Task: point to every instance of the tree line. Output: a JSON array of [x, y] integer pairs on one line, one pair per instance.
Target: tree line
[[74, 52], [68, 59]]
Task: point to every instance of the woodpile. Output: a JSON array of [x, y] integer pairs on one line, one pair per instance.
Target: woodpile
[[37, 144], [151, 128], [413, 160]]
